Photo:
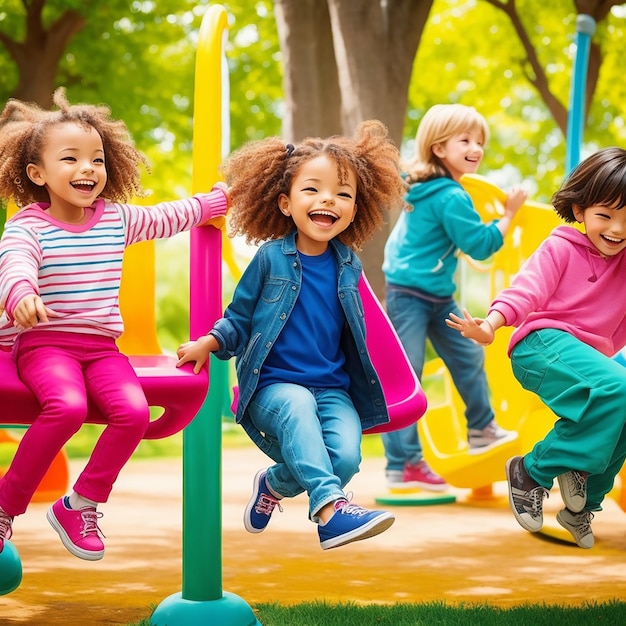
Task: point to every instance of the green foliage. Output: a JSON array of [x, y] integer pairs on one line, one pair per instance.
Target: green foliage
[[255, 71], [473, 50], [139, 58]]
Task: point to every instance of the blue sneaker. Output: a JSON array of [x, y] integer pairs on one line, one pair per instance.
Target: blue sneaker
[[260, 506], [352, 523]]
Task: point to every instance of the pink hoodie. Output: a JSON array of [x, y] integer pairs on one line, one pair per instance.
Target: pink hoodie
[[566, 284]]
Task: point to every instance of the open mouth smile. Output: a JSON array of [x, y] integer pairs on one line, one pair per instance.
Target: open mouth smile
[[83, 185], [323, 218]]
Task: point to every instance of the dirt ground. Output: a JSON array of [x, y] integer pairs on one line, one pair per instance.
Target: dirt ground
[[454, 552]]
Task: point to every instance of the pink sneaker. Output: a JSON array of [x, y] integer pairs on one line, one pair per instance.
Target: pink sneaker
[[78, 529], [420, 475], [6, 523]]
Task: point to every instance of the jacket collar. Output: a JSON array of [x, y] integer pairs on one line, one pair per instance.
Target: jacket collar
[[341, 251]]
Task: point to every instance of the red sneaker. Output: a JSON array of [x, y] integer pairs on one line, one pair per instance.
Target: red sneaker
[[78, 529], [420, 475]]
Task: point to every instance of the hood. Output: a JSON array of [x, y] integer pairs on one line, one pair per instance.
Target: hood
[[418, 192], [595, 261]]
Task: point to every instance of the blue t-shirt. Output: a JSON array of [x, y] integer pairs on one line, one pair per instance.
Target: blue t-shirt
[[308, 351]]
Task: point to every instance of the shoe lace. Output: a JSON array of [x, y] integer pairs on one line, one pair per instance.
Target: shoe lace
[[584, 523], [266, 503], [90, 519], [577, 483], [6, 524], [535, 498], [346, 507]]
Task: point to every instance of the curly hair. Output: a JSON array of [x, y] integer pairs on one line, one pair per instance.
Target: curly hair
[[260, 171], [599, 180], [23, 130]]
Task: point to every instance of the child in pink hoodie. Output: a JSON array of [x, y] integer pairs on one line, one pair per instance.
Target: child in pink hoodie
[[568, 306]]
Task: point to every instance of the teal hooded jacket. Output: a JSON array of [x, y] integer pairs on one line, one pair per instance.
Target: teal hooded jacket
[[422, 249]]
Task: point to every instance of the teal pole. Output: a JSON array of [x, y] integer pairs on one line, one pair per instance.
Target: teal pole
[[585, 28]]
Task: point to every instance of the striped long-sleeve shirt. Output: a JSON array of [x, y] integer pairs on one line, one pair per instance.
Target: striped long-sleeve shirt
[[77, 269]]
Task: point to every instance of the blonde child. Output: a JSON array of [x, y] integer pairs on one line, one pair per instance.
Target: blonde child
[[307, 386], [70, 170], [420, 265]]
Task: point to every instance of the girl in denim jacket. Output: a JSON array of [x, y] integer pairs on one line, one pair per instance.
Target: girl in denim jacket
[[306, 382]]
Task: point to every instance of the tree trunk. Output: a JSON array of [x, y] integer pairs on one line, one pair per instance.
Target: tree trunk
[[375, 46], [38, 56], [310, 81]]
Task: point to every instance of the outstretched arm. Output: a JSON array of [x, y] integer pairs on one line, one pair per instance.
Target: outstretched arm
[[482, 331]]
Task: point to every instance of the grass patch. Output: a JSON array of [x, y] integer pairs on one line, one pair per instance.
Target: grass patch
[[321, 613]]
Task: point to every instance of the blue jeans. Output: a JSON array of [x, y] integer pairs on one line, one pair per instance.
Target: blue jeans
[[319, 434], [418, 316]]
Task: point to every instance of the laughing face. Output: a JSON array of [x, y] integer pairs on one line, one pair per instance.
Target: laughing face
[[462, 153], [320, 204], [71, 168], [605, 228]]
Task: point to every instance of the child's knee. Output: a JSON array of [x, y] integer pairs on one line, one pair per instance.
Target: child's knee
[[347, 465]]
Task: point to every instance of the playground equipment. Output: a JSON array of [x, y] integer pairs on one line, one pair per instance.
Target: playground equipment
[[443, 429], [202, 599], [585, 28], [516, 408], [10, 569], [177, 391], [406, 401]]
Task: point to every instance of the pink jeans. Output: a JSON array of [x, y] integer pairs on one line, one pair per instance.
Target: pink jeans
[[64, 370]]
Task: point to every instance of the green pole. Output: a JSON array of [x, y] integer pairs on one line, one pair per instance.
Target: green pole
[[202, 499], [202, 601]]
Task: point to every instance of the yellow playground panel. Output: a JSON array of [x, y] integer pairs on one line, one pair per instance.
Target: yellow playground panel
[[443, 428]]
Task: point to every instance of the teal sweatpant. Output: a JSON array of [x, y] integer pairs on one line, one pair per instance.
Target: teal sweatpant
[[587, 392]]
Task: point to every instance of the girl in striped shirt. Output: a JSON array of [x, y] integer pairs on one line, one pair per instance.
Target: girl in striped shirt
[[72, 170]]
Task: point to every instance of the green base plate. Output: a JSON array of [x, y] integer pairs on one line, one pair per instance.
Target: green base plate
[[415, 498]]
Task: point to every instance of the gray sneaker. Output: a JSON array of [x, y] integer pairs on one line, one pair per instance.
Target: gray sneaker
[[573, 486], [394, 479], [492, 435], [579, 525], [525, 495]]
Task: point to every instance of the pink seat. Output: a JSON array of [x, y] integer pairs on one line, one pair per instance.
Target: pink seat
[[406, 401], [178, 391]]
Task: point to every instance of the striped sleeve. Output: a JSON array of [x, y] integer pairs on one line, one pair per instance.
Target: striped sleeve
[[166, 219], [20, 256]]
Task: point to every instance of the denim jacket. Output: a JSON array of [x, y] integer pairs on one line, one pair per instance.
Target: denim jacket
[[262, 303]]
